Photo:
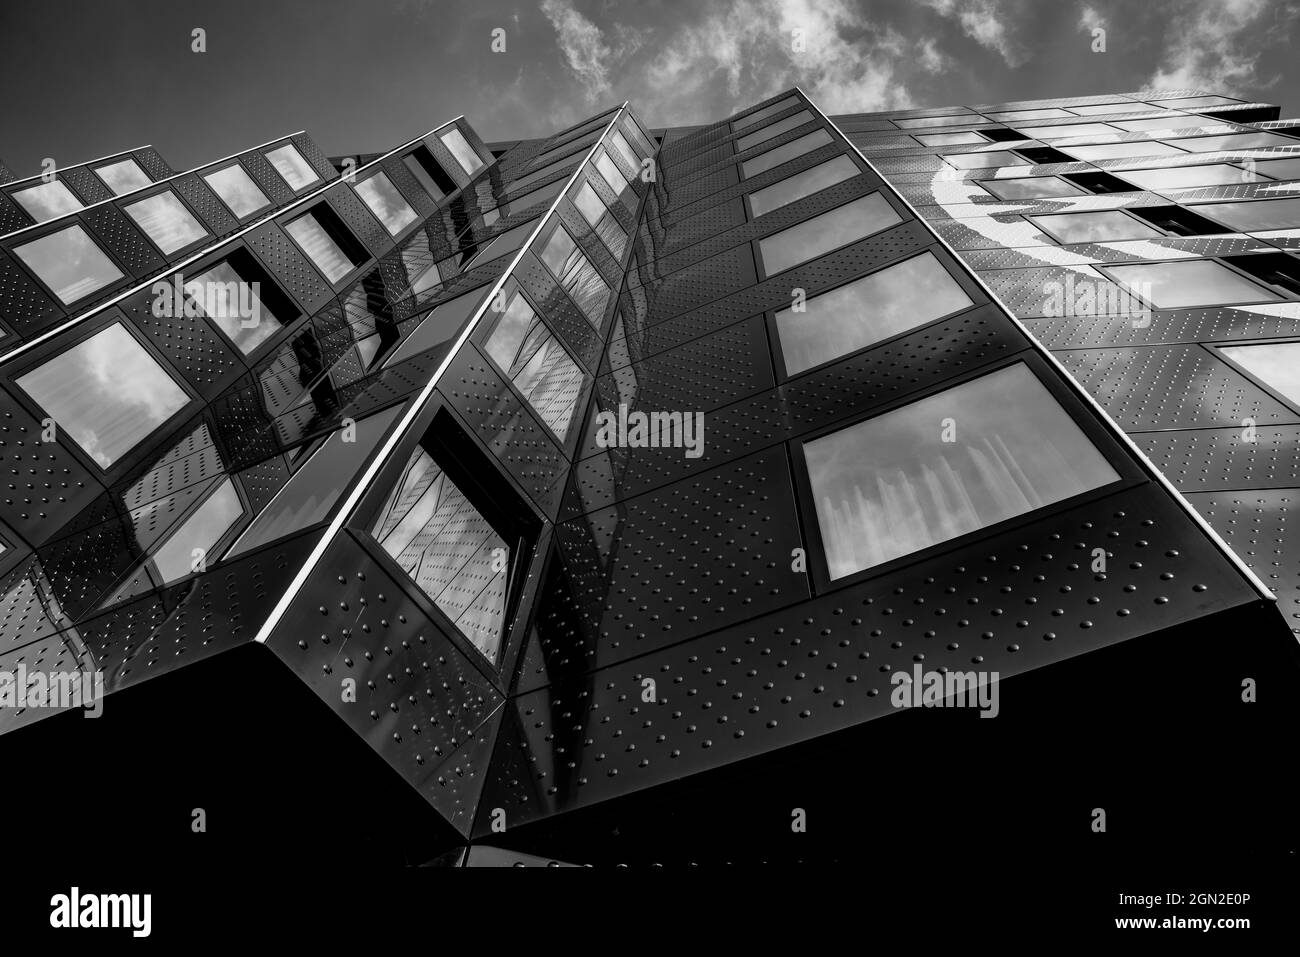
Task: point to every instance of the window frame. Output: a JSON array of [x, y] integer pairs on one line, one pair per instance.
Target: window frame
[[114, 161], [1034, 217], [1216, 350], [411, 225], [278, 295], [750, 216], [53, 226], [1105, 270], [760, 268], [181, 252], [351, 247], [221, 168], [297, 191]]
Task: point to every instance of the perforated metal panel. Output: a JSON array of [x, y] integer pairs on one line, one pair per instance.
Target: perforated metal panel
[[86, 184], [271, 183], [299, 278], [196, 351], [210, 209], [359, 220], [151, 162], [26, 307], [123, 239]]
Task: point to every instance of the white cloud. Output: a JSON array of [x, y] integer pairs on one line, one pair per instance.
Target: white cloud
[[586, 50], [1090, 19], [1207, 48], [985, 22]]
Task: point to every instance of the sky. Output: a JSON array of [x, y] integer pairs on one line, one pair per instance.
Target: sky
[[87, 78]]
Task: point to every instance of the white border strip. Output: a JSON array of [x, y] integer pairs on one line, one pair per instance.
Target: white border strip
[[1083, 393]]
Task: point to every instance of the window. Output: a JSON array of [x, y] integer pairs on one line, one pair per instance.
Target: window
[[441, 325], [69, 262], [295, 170], [891, 486], [529, 200], [615, 180], [954, 119], [124, 176], [230, 294], [1014, 116], [167, 221], [803, 184], [1256, 216], [619, 143], [1276, 364], [784, 153], [764, 113], [1123, 150], [751, 140], [867, 310], [460, 149], [1183, 285], [392, 209], [47, 201], [502, 244], [1097, 109], [1067, 130], [429, 172], [1177, 122], [1031, 187], [821, 234], [538, 175], [1234, 141], [1101, 227], [421, 271], [984, 160], [1191, 102], [202, 529], [326, 242], [949, 139], [576, 274], [1280, 169], [237, 190], [525, 350], [1179, 177], [593, 210], [107, 393]]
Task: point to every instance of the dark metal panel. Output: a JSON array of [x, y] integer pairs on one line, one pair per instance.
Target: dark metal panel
[[271, 183], [24, 305], [359, 219], [1198, 460], [86, 184], [1278, 321], [313, 155], [211, 210], [282, 258], [151, 162], [562, 316], [12, 216], [196, 351], [123, 239]]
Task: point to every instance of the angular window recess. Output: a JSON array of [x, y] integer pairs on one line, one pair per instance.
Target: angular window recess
[[1279, 270], [530, 199], [1182, 177], [615, 180], [389, 206], [1043, 155], [821, 234], [124, 176], [500, 245], [327, 242], [107, 393], [1031, 187], [575, 273], [866, 311], [784, 153], [796, 187], [1065, 131], [461, 151], [47, 201], [1234, 141], [1016, 116], [1110, 225], [537, 175], [1177, 220], [429, 172], [202, 529], [984, 160], [1099, 182], [889, 486], [1276, 364], [295, 170], [620, 143], [759, 115], [1123, 150], [455, 528], [750, 140], [241, 300], [237, 190], [70, 263], [167, 221], [599, 218], [441, 325], [949, 139], [1256, 215], [1189, 284], [421, 271], [534, 360]]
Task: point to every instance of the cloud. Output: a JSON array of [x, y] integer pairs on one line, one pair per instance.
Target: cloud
[[1090, 19], [585, 48], [985, 22], [1208, 47]]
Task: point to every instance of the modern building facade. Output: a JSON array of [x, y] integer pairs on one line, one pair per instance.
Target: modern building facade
[[595, 499]]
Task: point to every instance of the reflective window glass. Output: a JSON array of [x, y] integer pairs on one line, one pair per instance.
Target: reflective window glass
[[295, 170], [1190, 102], [421, 271], [522, 346], [1279, 169], [1195, 282], [601, 220], [1097, 109], [1066, 130], [234, 305], [202, 529], [459, 148], [985, 160], [764, 113], [124, 176], [69, 262], [615, 180], [442, 324], [1122, 150], [949, 139], [1234, 141], [576, 274], [784, 153], [538, 175], [891, 486], [831, 230], [107, 393], [867, 310], [922, 122], [1015, 116], [1100, 227], [237, 190], [392, 209], [47, 201], [803, 184], [1178, 177], [1178, 122], [1255, 216], [320, 247], [167, 221], [503, 244], [750, 140], [1031, 187], [1276, 364], [620, 143]]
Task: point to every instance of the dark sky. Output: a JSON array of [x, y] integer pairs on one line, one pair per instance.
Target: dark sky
[[88, 78]]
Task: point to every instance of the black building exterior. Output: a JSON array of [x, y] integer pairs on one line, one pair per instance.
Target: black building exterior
[[580, 500]]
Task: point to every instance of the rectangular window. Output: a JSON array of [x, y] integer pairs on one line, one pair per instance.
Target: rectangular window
[[421, 271], [891, 486], [593, 210], [615, 180], [460, 149], [240, 301], [441, 325], [764, 113], [1109, 225], [326, 242], [796, 187], [107, 393], [866, 311], [1176, 122], [525, 350], [500, 245], [1015, 116], [795, 120], [124, 176], [237, 190], [821, 234], [70, 263], [1123, 150], [1234, 141], [1181, 177], [1066, 131], [1191, 102], [576, 274], [429, 172], [1255, 216], [529, 200], [619, 143], [1276, 364], [984, 160], [1031, 187], [388, 205], [203, 529], [1191, 283], [784, 153], [295, 170], [1098, 109], [1280, 169], [537, 175], [950, 139], [954, 119], [47, 201], [167, 221]]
